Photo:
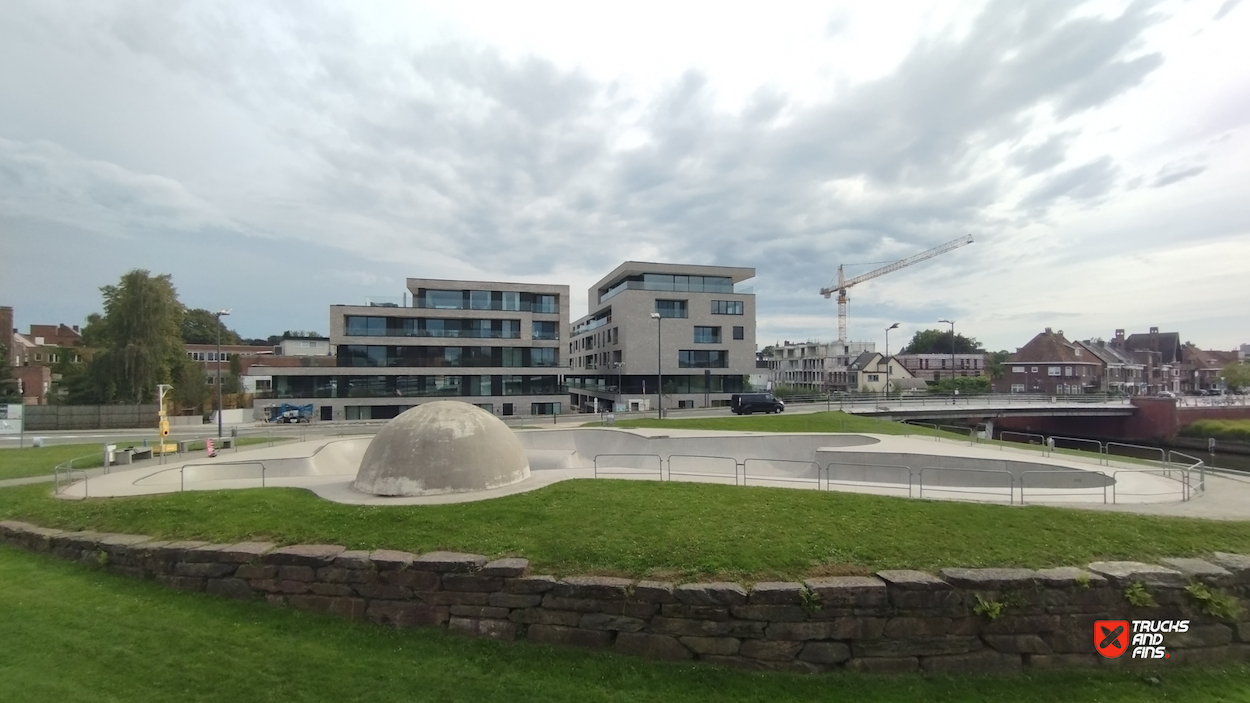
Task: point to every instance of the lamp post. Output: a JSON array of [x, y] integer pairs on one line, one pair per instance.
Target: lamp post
[[659, 369], [953, 391], [620, 371], [219, 314], [887, 357]]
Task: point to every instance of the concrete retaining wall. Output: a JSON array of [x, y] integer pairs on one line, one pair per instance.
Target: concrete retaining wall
[[895, 621]]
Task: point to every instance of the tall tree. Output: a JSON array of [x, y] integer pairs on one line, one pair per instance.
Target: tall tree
[[191, 390], [939, 342], [140, 337], [8, 382], [1236, 375], [996, 363], [199, 326]]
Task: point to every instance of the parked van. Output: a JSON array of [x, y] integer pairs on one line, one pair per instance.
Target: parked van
[[747, 403]]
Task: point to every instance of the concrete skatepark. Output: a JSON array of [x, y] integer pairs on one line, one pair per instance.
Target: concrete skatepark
[[347, 469]]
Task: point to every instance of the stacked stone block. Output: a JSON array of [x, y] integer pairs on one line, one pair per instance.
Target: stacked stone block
[[961, 620]]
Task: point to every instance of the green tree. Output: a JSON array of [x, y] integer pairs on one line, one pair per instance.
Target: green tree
[[965, 384], [939, 342], [139, 338], [8, 383], [191, 391], [1236, 375], [199, 326], [996, 363]]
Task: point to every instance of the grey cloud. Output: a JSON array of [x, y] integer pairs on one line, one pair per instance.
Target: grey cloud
[[1086, 182], [454, 152], [1175, 172], [1226, 8]]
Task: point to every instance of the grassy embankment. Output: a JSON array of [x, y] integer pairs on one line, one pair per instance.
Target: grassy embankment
[[72, 634]]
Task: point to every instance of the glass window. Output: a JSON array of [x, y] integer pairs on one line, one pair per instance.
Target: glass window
[[444, 299], [511, 356], [706, 335], [691, 359], [544, 408], [511, 300], [543, 356], [512, 385], [727, 307], [546, 304], [671, 308], [545, 330], [488, 407], [739, 332], [1017, 369], [479, 300], [1052, 370]]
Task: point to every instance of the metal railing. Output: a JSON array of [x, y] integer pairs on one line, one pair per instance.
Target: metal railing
[[703, 474], [746, 464], [629, 470], [1078, 442], [962, 489], [1076, 474], [182, 471], [867, 481]]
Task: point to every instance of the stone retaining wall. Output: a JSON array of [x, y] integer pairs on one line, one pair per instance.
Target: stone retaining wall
[[895, 621]]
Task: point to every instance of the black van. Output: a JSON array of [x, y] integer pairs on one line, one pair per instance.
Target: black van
[[747, 403]]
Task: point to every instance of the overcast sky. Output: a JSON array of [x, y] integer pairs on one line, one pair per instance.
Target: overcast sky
[[278, 158]]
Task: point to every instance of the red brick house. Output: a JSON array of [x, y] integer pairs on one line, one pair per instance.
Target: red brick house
[[1051, 365]]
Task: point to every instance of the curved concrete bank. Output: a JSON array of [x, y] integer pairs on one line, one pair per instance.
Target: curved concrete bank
[[894, 621], [887, 465]]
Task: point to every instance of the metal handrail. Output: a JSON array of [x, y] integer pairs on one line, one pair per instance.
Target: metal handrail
[[971, 432], [627, 471], [671, 473], [1011, 482], [1166, 473], [1002, 438], [911, 475], [1101, 451], [1162, 454], [182, 477], [747, 462], [1063, 471], [936, 432]]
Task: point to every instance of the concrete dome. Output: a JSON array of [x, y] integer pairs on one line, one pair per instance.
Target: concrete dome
[[441, 447]]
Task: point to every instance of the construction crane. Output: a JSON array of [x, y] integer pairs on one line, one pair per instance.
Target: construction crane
[[843, 284]]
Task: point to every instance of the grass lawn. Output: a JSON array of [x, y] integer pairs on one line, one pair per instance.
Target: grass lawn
[[72, 634], [672, 530], [31, 461]]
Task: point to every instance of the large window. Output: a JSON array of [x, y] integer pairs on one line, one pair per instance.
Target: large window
[[671, 308], [726, 307], [691, 359], [545, 330], [1052, 370], [545, 304], [706, 335], [739, 332], [544, 408], [452, 357]]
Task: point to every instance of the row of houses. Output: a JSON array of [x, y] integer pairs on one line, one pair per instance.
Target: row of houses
[[1137, 364], [1130, 364], [857, 367]]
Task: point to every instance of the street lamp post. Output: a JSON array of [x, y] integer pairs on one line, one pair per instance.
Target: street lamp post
[[887, 357], [659, 369], [953, 391], [620, 371], [219, 314]]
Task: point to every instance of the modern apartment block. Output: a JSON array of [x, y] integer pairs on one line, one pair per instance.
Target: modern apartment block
[[496, 345], [687, 324], [816, 366]]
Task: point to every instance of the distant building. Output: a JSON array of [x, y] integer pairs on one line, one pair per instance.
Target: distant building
[[871, 372], [688, 323], [1160, 352], [935, 367], [1123, 372], [1051, 365], [819, 367], [495, 345], [305, 346]]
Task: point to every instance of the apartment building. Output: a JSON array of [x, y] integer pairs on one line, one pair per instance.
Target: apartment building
[[935, 367], [688, 325], [816, 366], [496, 345]]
